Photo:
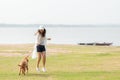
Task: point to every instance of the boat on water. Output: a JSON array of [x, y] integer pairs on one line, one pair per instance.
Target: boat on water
[[96, 44]]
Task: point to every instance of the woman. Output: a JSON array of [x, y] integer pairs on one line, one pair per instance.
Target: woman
[[41, 50]]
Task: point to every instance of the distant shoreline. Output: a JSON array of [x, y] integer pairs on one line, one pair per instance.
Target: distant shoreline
[[33, 44], [47, 44], [60, 25]]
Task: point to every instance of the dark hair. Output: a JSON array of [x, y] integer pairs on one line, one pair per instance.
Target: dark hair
[[43, 34]]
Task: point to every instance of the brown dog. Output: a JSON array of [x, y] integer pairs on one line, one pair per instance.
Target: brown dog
[[23, 66]]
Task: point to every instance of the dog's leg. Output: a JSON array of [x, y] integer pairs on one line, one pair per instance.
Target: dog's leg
[[19, 71], [23, 71], [27, 68]]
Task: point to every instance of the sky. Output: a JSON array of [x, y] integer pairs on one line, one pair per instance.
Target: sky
[[60, 11]]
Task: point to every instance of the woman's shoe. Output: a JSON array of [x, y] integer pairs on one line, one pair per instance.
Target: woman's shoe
[[37, 69], [44, 69]]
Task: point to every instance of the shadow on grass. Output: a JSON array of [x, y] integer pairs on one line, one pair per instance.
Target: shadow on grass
[[39, 74], [104, 54]]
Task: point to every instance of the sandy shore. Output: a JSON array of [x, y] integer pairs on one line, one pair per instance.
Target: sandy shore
[[9, 50]]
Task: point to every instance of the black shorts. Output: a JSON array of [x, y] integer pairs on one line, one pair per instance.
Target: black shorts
[[41, 48]]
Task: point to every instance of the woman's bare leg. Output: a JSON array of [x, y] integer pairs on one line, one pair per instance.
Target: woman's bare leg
[[38, 60], [44, 58]]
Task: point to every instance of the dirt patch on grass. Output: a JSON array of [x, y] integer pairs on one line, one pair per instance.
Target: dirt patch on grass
[[13, 54], [10, 54], [57, 51]]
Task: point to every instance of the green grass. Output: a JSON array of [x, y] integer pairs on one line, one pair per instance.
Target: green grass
[[76, 63]]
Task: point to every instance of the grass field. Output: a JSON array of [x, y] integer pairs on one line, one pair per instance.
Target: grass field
[[64, 62]]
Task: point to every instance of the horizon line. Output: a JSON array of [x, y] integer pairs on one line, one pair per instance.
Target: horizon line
[[5, 24]]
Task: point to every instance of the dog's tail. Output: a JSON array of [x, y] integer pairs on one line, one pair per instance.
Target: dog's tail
[[19, 65]]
